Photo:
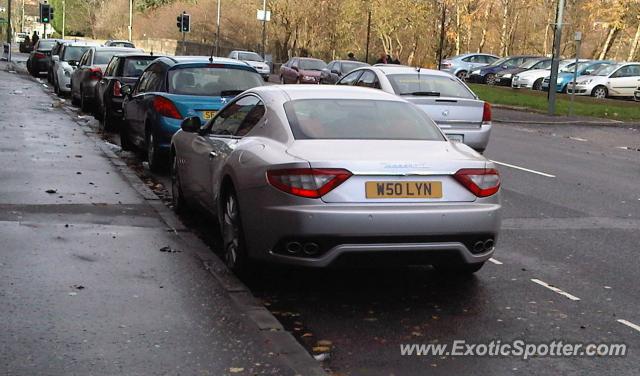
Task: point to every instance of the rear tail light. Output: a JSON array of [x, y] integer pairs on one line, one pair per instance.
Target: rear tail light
[[39, 55], [486, 113], [165, 107], [95, 73], [307, 182], [445, 65], [117, 89], [482, 182]]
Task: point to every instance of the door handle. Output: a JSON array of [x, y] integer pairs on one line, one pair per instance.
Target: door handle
[[212, 155]]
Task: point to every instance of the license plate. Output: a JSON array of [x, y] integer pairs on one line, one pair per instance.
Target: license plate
[[456, 137], [403, 189], [208, 114]]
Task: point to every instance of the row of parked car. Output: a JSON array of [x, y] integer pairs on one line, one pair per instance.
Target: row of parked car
[[316, 157], [597, 78]]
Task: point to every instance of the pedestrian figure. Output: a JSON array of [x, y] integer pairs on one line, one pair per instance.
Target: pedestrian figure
[[351, 56], [34, 38], [382, 59], [396, 60]]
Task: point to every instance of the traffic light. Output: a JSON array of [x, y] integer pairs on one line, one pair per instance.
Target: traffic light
[[179, 23], [45, 13], [51, 13], [186, 24]]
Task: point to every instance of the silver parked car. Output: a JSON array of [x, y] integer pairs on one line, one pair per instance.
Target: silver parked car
[[461, 65], [446, 99], [317, 176]]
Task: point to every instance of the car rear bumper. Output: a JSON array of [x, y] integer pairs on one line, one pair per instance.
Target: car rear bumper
[[476, 138], [431, 232]]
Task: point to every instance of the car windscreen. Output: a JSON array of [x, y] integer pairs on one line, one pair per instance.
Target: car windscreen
[[46, 44], [570, 69], [346, 119], [529, 63], [312, 64], [348, 66], [103, 57], [605, 70], [428, 85], [122, 44], [499, 61], [212, 81], [134, 66], [249, 56], [73, 53]]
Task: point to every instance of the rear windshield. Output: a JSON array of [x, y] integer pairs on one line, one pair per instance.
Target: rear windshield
[[428, 85], [133, 66], [212, 81], [122, 44], [249, 56], [312, 64], [74, 53], [338, 119], [46, 44], [103, 57]]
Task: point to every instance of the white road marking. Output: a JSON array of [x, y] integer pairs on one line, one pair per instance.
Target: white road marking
[[555, 289], [524, 169], [629, 324], [495, 261], [578, 139]]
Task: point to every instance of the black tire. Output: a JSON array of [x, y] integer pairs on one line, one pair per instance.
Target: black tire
[[125, 142], [282, 80], [156, 160], [106, 123], [462, 75], [74, 100], [459, 269], [298, 81], [177, 198], [235, 253], [84, 104], [490, 79], [600, 92], [537, 85]]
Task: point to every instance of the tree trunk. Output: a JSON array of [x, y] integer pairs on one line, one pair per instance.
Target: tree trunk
[[503, 33], [611, 37], [545, 44], [457, 28], [485, 26], [634, 45]]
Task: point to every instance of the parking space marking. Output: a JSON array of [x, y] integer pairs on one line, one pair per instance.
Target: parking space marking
[[578, 139], [524, 169], [495, 261], [555, 289], [629, 324]]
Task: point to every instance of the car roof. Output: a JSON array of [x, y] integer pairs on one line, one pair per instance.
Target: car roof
[[403, 69], [348, 61], [82, 44], [137, 54], [122, 49], [118, 41], [306, 58], [175, 60], [295, 92]]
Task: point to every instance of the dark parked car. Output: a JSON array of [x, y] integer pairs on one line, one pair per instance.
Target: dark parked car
[[172, 88], [90, 67], [40, 58], [301, 70], [487, 74], [123, 69], [337, 68], [504, 77]]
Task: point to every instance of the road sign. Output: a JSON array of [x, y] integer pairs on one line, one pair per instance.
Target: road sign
[[261, 15]]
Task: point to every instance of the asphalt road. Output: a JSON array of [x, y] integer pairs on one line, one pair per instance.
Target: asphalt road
[[565, 269]]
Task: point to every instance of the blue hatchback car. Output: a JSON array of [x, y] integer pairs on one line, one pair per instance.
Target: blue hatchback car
[[565, 75], [173, 88]]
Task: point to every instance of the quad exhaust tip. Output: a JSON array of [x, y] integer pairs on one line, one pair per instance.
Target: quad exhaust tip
[[293, 247], [483, 246], [308, 248]]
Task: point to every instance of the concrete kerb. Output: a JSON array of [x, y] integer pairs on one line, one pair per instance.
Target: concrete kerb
[[598, 122], [295, 356]]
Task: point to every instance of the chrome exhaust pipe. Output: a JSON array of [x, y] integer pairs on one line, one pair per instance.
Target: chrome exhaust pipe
[[488, 245], [311, 248], [293, 247], [478, 247]]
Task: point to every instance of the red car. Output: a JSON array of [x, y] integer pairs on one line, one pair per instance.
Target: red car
[[302, 70]]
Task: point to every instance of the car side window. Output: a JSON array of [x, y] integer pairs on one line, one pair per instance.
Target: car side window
[[83, 59], [470, 59], [489, 59], [156, 78], [331, 65], [142, 84], [368, 79], [238, 118], [351, 78], [294, 63], [111, 67]]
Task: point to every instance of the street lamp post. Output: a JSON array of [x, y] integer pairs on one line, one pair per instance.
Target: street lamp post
[[264, 28], [218, 31], [442, 22], [130, 19], [64, 15], [577, 38], [553, 80]]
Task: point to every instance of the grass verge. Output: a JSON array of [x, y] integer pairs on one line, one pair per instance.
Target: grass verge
[[614, 109]]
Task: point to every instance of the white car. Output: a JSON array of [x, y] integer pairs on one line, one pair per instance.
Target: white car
[[532, 79], [253, 59], [615, 80], [65, 63]]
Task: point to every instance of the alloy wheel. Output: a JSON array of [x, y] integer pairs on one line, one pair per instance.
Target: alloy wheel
[[600, 92], [231, 232]]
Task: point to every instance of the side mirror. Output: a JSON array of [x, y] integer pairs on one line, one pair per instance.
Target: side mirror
[[191, 124], [126, 90]]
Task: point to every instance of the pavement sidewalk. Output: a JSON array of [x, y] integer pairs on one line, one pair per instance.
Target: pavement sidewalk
[[98, 277]]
